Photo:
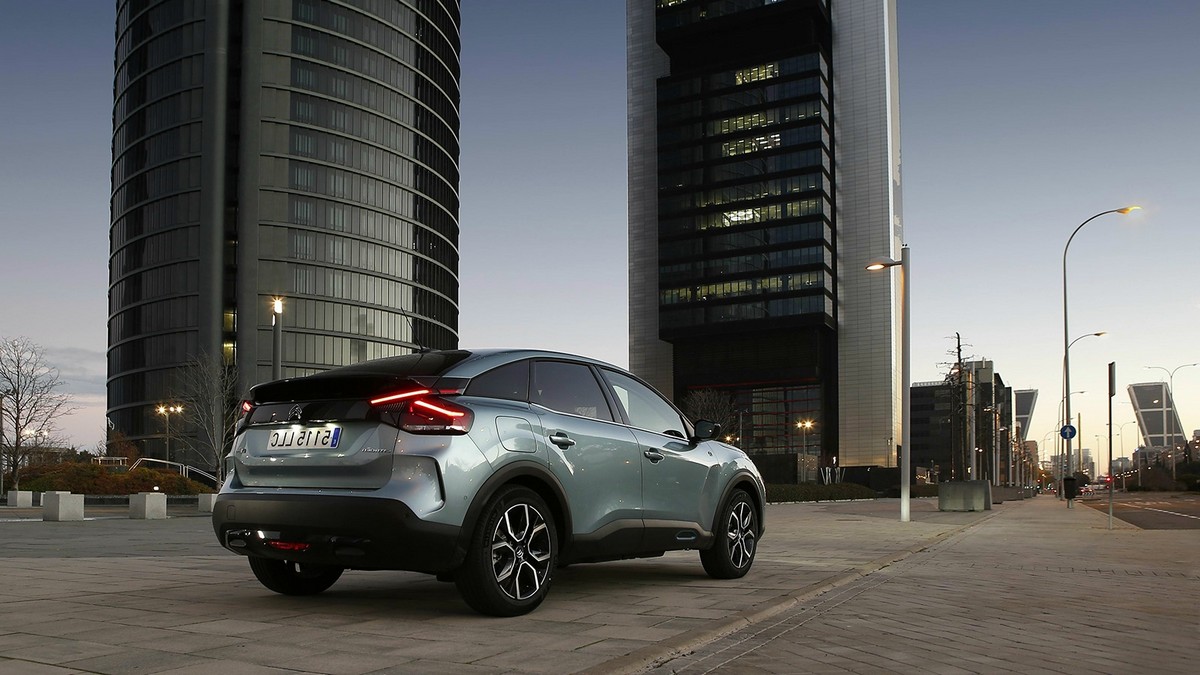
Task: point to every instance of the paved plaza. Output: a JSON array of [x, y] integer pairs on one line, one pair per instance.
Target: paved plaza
[[838, 587]]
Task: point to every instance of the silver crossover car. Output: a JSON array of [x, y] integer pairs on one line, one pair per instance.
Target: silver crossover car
[[488, 468]]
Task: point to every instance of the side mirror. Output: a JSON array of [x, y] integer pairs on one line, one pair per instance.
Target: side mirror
[[706, 430]]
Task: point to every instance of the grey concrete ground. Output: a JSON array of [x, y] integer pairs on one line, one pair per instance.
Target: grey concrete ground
[[113, 595]]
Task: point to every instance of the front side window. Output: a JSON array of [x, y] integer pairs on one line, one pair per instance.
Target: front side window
[[570, 388], [644, 407]]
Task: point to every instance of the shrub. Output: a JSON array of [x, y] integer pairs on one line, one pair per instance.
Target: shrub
[[814, 492], [923, 490], [93, 479]]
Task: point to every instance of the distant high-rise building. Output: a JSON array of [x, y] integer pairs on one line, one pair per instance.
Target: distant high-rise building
[[1156, 415], [764, 174], [301, 149], [1024, 401], [938, 420]]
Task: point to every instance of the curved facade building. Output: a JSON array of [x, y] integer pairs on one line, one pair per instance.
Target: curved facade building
[[303, 149]]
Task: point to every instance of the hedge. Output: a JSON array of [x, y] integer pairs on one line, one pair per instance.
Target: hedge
[[93, 479]]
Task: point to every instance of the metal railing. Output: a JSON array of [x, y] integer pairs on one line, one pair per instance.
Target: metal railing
[[183, 469]]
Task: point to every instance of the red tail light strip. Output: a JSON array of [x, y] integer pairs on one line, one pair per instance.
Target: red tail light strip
[[392, 398], [448, 413]]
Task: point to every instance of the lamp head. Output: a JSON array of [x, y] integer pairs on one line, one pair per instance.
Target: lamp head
[[1127, 209], [277, 305], [881, 263]]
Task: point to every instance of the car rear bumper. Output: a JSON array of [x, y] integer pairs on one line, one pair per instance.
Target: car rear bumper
[[340, 530]]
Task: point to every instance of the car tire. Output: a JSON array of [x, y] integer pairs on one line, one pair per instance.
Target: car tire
[[292, 578], [512, 554], [736, 539]]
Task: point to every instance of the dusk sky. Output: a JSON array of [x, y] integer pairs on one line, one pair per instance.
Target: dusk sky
[[1020, 119]]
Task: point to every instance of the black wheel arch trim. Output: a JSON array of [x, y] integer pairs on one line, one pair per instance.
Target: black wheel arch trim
[[522, 472], [739, 479]]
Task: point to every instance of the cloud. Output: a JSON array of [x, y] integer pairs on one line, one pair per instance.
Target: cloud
[[84, 372]]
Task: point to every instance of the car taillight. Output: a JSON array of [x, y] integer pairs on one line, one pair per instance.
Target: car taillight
[[247, 406], [436, 416], [399, 397]]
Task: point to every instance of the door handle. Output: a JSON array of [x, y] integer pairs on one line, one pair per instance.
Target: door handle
[[561, 440], [654, 456]]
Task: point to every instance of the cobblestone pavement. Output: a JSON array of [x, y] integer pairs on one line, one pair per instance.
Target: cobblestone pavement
[[838, 587], [113, 595], [1037, 589]]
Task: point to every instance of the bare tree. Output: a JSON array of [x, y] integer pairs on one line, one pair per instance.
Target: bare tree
[[31, 405], [209, 396], [712, 405], [118, 445]]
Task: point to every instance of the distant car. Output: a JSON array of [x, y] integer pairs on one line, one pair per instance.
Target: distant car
[[1086, 491], [488, 468]]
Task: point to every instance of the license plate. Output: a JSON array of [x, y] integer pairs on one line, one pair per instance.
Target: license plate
[[301, 438]]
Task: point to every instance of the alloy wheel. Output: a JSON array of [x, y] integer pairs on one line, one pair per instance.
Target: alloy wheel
[[521, 551], [741, 534]]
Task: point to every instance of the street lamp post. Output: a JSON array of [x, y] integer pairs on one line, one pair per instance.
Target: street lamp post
[[166, 411], [1049, 453], [805, 426], [1066, 331], [905, 375], [1067, 420], [277, 338], [1121, 431], [1059, 467]]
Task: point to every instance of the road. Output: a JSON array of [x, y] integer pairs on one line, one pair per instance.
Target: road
[[1151, 510]]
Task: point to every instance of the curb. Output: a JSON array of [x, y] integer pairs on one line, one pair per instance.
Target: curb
[[655, 655]]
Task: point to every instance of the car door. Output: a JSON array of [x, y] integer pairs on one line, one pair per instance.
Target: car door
[[679, 478], [595, 458]]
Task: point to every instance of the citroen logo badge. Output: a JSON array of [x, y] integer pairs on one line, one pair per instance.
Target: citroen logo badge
[[295, 413]]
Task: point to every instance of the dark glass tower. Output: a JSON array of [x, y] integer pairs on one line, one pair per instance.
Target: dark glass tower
[[299, 149], [763, 176]]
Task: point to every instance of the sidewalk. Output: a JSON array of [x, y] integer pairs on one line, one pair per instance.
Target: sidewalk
[[121, 596], [1037, 588]]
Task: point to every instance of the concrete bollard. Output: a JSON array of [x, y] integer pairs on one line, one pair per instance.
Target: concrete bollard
[[148, 506], [20, 498], [206, 502], [967, 495], [59, 506]]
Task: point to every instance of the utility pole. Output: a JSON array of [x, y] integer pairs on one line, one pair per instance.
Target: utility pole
[[967, 451]]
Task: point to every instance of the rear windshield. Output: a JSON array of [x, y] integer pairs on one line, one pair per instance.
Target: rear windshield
[[359, 380]]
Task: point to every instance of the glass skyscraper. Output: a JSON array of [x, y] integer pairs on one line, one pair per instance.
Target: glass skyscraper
[[1157, 418], [763, 176], [301, 149]]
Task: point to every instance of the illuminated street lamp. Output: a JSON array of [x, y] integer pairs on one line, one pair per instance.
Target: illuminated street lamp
[[805, 426], [277, 338], [1066, 331], [905, 375], [166, 411]]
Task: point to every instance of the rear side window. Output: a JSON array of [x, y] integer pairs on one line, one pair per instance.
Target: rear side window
[[569, 388], [510, 382]]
